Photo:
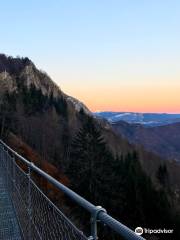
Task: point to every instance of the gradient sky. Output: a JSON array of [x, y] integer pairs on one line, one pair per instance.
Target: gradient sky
[[111, 54]]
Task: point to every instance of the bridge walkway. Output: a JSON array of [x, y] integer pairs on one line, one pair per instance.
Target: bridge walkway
[[9, 228]]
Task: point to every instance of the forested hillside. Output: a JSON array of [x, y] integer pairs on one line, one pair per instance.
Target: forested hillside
[[162, 140]]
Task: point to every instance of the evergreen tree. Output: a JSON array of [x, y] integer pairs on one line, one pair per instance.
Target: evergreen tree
[[88, 152]]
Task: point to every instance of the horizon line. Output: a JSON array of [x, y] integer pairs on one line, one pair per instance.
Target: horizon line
[[173, 113]]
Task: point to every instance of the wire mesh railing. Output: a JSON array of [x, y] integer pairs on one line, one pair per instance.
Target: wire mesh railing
[[38, 217]]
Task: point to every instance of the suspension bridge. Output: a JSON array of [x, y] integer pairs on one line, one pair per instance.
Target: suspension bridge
[[26, 213]]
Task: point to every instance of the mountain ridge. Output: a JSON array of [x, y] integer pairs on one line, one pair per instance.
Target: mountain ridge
[[30, 75], [146, 119], [162, 140]]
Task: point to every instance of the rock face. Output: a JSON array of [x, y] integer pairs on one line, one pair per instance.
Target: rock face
[[40, 80], [24, 74], [78, 105], [7, 83]]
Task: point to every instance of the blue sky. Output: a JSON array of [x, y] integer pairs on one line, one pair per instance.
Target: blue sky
[[99, 50]]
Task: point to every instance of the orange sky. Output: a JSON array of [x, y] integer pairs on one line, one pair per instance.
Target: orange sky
[[141, 96], [143, 100]]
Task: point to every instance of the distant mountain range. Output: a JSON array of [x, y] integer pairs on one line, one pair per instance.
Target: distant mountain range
[[162, 140], [146, 119], [157, 133]]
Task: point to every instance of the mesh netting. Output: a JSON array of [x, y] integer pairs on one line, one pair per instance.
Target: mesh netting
[[38, 217]]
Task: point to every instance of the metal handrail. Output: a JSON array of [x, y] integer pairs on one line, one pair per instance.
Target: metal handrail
[[97, 212]]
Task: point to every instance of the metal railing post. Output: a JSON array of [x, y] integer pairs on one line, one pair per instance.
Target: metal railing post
[[94, 220], [29, 203], [7, 169], [14, 172]]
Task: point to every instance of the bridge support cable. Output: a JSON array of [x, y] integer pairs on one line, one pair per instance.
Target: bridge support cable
[[38, 217]]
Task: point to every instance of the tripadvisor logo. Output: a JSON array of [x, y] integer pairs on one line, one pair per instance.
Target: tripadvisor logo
[[139, 230]]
